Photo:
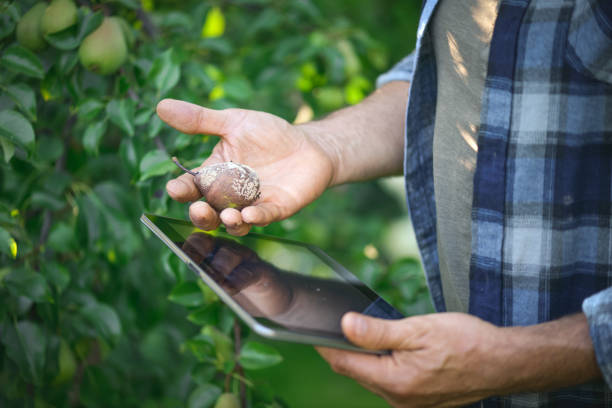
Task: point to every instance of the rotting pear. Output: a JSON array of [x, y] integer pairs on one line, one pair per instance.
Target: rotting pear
[[29, 32], [58, 16], [226, 185], [104, 50]]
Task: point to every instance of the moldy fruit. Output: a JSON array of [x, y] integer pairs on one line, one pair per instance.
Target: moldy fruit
[[226, 185]]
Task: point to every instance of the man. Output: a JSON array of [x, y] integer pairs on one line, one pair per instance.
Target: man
[[507, 156]]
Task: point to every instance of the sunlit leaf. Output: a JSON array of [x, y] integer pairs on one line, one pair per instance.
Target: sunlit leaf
[[214, 25]]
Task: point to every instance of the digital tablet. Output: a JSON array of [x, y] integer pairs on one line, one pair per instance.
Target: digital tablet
[[282, 289]]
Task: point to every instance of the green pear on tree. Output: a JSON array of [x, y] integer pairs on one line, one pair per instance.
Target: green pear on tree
[[58, 16], [29, 31], [104, 50]]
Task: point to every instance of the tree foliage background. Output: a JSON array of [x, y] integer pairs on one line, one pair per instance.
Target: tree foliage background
[[93, 310]]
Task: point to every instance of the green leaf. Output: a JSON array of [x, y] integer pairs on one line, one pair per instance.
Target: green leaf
[[45, 200], [89, 109], [32, 285], [203, 373], [5, 239], [255, 356], [155, 126], [24, 97], [203, 396], [16, 128], [8, 148], [26, 344], [205, 315], [238, 89], [165, 72], [155, 163], [92, 136], [8, 20], [49, 148], [224, 349], [61, 237], [104, 320], [57, 275], [143, 115], [67, 62], [23, 61], [121, 113], [187, 294], [72, 37], [133, 4]]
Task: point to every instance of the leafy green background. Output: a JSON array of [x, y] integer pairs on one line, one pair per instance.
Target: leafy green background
[[96, 312]]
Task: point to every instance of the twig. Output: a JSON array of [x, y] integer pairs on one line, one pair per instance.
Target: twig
[[147, 23], [238, 367]]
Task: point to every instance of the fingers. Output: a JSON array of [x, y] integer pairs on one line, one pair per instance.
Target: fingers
[[203, 216], [261, 214], [378, 334], [234, 224], [190, 118], [183, 189], [359, 366]]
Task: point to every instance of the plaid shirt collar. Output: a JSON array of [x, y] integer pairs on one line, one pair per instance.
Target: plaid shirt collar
[[541, 236]]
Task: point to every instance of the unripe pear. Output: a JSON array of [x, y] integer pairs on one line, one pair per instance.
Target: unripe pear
[[226, 185], [227, 400], [58, 16], [29, 32], [104, 50]]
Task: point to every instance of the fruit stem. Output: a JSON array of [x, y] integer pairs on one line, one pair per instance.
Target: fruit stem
[[175, 160]]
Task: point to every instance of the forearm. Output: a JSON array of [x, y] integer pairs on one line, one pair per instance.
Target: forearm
[[365, 141], [547, 356]]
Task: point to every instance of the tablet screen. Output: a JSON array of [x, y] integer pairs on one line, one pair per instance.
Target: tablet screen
[[278, 282]]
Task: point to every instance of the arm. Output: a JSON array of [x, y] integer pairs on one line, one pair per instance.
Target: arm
[[295, 163], [451, 359], [366, 140]]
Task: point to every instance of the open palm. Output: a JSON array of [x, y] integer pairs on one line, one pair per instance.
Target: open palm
[[292, 167]]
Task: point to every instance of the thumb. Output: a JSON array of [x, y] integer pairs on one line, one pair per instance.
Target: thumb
[[377, 334], [190, 118]]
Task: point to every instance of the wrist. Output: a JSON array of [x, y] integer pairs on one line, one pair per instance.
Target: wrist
[[321, 138], [546, 356]]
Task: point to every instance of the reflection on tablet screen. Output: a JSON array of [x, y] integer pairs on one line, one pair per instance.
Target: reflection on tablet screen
[[275, 280]]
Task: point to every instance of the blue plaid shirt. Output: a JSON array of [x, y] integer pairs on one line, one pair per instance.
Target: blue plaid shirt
[[542, 205]]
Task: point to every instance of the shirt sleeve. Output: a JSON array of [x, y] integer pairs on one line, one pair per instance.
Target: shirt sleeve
[[598, 310], [402, 71]]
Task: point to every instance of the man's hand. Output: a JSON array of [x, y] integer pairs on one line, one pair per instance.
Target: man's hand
[[295, 164], [437, 360], [292, 167], [452, 359]]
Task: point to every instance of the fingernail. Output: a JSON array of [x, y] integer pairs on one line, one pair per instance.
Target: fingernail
[[174, 187], [359, 325]]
